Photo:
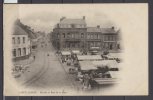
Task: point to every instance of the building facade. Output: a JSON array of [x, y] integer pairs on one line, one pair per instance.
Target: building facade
[[21, 45], [74, 34]]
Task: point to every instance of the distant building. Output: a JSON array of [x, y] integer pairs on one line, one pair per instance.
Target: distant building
[[74, 34], [20, 43]]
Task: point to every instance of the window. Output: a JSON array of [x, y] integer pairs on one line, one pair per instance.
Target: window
[[19, 51], [23, 39], [88, 36], [118, 46], [68, 35], [98, 44], [24, 51], [14, 52], [82, 35], [111, 38], [106, 38], [72, 25], [58, 35], [18, 40], [73, 35], [91, 44], [13, 40], [91, 36], [63, 35], [98, 36], [110, 46], [76, 35]]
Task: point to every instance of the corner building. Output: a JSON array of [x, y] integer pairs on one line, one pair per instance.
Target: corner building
[[75, 35]]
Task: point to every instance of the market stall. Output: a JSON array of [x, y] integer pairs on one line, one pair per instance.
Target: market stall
[[89, 57], [112, 64], [65, 56], [77, 52]]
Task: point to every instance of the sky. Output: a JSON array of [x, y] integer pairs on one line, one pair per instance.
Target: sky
[[45, 17]]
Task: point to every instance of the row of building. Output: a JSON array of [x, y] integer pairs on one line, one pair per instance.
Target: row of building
[[24, 41], [75, 34]]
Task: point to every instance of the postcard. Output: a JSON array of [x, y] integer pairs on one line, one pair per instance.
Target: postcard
[[75, 49]]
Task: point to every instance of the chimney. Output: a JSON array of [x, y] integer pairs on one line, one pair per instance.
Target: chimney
[[84, 17], [113, 27], [98, 26], [62, 18]]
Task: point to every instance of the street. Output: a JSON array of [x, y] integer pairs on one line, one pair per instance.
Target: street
[[52, 74]]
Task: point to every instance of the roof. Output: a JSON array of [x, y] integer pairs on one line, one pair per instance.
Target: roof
[[65, 52], [102, 30], [109, 63], [87, 65], [76, 51], [114, 55], [89, 57], [72, 21], [19, 31], [19, 26]]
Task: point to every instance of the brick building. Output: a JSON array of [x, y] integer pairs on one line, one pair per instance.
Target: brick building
[[75, 34]]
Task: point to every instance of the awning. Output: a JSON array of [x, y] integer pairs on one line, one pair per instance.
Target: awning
[[114, 74], [89, 57], [114, 55], [109, 63], [95, 51], [76, 52], [65, 52], [87, 65], [97, 48]]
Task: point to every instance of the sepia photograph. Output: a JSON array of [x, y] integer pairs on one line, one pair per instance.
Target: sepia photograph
[[75, 49]]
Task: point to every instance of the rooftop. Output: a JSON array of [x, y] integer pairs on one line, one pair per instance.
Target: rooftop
[[102, 30], [19, 31], [65, 20]]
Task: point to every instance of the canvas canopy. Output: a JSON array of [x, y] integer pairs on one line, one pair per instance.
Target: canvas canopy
[[65, 52], [75, 51], [109, 63], [97, 48], [113, 55], [89, 57], [87, 65]]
